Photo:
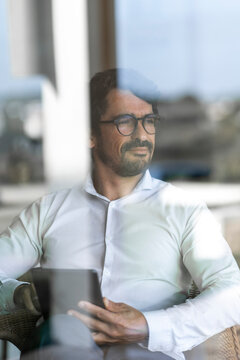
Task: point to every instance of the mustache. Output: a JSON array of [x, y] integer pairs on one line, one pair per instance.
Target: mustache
[[136, 143]]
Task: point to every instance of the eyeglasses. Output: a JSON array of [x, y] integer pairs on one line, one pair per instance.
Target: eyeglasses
[[127, 124]]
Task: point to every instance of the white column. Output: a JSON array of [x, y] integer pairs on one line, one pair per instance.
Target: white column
[[66, 113]]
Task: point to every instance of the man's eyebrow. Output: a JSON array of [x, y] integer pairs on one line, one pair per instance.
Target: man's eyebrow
[[130, 114]]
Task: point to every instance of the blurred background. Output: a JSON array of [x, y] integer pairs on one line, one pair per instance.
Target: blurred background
[[50, 48]]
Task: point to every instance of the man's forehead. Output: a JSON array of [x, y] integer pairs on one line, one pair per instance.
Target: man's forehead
[[121, 94], [125, 101]]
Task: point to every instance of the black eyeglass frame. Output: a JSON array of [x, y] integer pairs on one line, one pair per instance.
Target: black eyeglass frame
[[114, 121]]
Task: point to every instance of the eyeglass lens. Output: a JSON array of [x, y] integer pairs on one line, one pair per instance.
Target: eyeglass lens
[[127, 124]]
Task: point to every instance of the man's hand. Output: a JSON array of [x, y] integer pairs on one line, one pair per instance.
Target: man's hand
[[26, 297], [118, 323]]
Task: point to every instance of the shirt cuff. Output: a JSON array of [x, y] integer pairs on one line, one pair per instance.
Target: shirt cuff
[[160, 333], [7, 288]]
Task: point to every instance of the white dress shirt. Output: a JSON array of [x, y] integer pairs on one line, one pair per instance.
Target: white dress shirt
[[147, 247]]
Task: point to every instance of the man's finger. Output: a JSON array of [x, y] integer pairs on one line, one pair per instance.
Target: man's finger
[[90, 322], [101, 338], [98, 312], [113, 306]]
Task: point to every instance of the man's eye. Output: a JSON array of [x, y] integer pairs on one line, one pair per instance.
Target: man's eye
[[124, 122], [150, 121]]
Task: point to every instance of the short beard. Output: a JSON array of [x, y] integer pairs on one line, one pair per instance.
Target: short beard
[[126, 167], [132, 168]]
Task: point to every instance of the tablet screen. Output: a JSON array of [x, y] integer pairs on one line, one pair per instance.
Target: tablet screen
[[60, 290]]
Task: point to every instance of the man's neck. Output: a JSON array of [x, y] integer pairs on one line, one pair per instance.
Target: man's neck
[[112, 185]]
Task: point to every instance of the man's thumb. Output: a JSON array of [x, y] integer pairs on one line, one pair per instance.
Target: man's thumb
[[111, 305]]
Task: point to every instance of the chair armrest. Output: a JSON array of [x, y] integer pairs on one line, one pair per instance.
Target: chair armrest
[[228, 346], [17, 327], [222, 346]]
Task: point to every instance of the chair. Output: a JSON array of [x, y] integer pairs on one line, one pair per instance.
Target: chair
[[223, 346], [17, 327]]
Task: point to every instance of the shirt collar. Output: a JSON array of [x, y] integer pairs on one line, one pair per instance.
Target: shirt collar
[[145, 183]]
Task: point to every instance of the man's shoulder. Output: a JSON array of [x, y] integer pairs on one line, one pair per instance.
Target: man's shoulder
[[56, 199], [174, 195], [166, 188]]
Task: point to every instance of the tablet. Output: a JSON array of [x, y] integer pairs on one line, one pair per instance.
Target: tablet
[[60, 290]]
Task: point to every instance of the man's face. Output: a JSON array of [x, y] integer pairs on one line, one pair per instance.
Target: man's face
[[125, 155]]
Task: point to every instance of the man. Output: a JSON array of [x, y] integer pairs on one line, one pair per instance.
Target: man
[[145, 238]]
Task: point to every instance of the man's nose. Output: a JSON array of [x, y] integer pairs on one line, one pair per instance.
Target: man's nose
[[140, 132]]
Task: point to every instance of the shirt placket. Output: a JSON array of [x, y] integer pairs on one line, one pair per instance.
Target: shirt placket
[[109, 253]]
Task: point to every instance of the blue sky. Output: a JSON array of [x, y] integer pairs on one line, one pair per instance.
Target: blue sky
[[185, 46]]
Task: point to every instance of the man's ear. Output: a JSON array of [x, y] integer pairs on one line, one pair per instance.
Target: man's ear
[[92, 142]]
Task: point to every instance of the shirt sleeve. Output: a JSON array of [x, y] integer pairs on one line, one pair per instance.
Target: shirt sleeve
[[7, 287], [210, 262], [20, 250]]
